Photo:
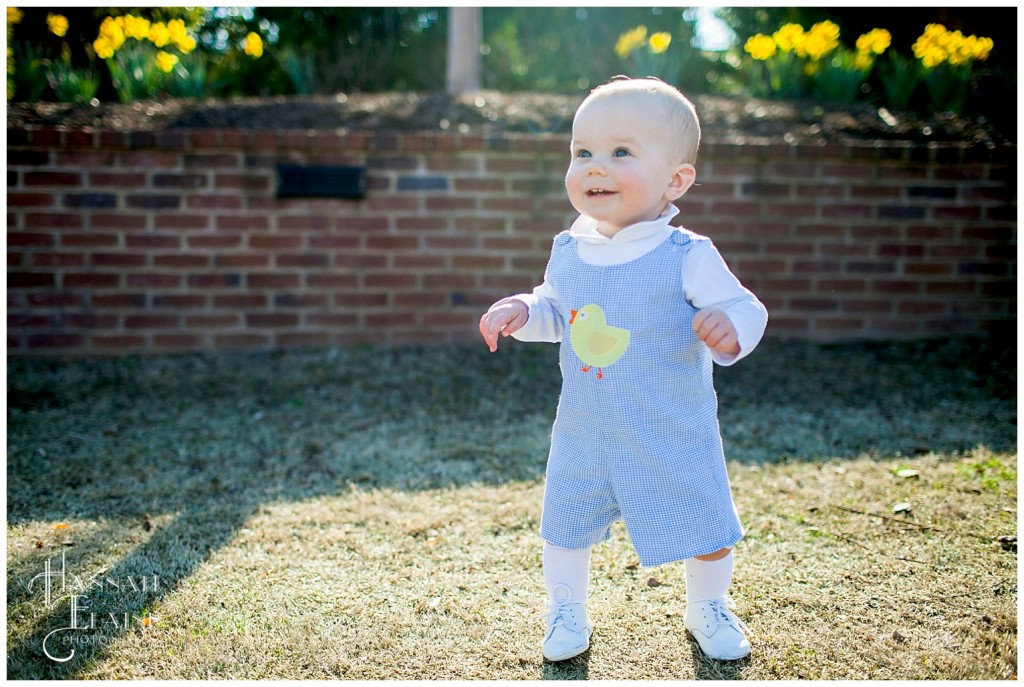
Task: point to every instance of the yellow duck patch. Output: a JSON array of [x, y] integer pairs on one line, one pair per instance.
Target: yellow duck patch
[[595, 342]]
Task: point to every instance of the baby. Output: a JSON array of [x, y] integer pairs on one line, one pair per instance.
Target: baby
[[641, 310]]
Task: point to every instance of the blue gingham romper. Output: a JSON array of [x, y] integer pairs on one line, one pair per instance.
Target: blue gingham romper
[[642, 443]]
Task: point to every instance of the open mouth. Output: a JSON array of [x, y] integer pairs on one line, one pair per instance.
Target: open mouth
[[597, 192]]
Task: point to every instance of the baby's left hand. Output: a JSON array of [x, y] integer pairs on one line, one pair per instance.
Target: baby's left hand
[[714, 328]]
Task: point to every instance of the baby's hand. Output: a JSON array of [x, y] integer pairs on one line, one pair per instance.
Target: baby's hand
[[714, 328], [504, 317]]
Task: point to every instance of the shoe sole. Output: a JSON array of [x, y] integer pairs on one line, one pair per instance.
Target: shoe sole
[[556, 659], [716, 658], [566, 657]]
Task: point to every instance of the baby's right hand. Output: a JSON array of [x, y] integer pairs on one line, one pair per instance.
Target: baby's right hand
[[505, 317]]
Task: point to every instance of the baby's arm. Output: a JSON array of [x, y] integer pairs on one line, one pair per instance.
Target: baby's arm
[[731, 320], [529, 316]]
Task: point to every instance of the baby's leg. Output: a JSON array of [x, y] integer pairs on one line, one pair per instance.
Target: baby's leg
[[709, 577], [566, 574], [568, 569], [708, 616]]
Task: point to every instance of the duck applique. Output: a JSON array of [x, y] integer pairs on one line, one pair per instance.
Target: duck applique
[[595, 342]]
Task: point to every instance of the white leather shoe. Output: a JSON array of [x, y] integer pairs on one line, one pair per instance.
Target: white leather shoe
[[717, 629], [569, 631]]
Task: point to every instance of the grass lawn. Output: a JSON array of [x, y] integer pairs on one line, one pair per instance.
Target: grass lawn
[[370, 514]]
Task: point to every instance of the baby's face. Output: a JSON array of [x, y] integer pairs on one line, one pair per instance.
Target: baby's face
[[622, 169]]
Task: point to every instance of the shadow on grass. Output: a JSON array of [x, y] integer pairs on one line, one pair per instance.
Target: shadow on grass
[[705, 668], [205, 440], [577, 668]]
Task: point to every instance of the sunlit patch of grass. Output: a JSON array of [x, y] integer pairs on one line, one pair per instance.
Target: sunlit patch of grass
[[370, 514]]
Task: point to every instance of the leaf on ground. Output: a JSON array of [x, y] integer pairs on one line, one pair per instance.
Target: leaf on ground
[[651, 582], [902, 507], [906, 473]]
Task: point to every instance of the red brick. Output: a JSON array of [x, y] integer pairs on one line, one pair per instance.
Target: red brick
[[117, 179], [247, 340], [186, 260], [69, 341], [301, 260], [153, 241], [359, 299], [25, 239], [475, 185], [302, 339], [179, 342], [242, 260], [26, 200], [304, 223], [213, 241], [74, 280], [393, 243], [174, 220], [257, 319], [52, 179], [332, 281], [117, 221], [157, 280], [214, 202], [51, 220], [213, 321], [174, 300], [390, 319], [242, 222], [273, 281], [389, 281], [275, 242], [118, 300], [146, 159], [118, 259], [118, 342], [151, 321]]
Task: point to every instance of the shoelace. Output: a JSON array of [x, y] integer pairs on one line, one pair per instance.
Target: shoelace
[[554, 615], [722, 609]]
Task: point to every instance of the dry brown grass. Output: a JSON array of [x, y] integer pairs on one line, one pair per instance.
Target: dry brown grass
[[372, 514]]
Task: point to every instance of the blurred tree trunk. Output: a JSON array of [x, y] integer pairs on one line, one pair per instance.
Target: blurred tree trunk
[[464, 36]]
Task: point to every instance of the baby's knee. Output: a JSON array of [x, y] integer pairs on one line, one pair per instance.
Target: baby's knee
[[717, 555]]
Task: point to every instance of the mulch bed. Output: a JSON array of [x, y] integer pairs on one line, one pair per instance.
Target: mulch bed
[[723, 118]]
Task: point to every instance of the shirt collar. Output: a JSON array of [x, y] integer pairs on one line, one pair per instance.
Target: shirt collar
[[585, 229]]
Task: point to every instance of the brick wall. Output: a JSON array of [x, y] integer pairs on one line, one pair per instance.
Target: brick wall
[[175, 241]]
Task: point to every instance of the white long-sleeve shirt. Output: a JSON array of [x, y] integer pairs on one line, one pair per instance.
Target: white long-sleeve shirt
[[707, 281]]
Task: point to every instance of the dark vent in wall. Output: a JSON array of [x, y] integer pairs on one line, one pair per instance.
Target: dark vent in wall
[[320, 181]]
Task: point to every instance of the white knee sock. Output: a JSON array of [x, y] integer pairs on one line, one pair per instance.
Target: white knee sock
[[568, 568], [708, 579]]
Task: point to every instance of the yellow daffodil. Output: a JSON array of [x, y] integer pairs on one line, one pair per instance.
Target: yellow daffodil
[[822, 39], [186, 44], [788, 37], [57, 23], [180, 37], [630, 41], [158, 34], [874, 41], [136, 27], [863, 60], [760, 46], [165, 61], [253, 45], [103, 47], [14, 15], [983, 47], [112, 32], [659, 42]]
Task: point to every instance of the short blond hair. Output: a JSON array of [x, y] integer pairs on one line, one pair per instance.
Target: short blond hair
[[680, 116]]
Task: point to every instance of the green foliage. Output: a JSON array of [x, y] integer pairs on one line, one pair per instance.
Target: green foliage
[[569, 49], [72, 85], [900, 77]]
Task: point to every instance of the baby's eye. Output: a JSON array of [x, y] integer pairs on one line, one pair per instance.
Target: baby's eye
[[583, 153], [620, 152]]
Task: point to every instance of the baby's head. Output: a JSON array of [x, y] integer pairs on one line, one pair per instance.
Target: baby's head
[[632, 151], [660, 110]]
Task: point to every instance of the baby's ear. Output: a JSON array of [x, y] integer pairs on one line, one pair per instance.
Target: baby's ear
[[682, 179]]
